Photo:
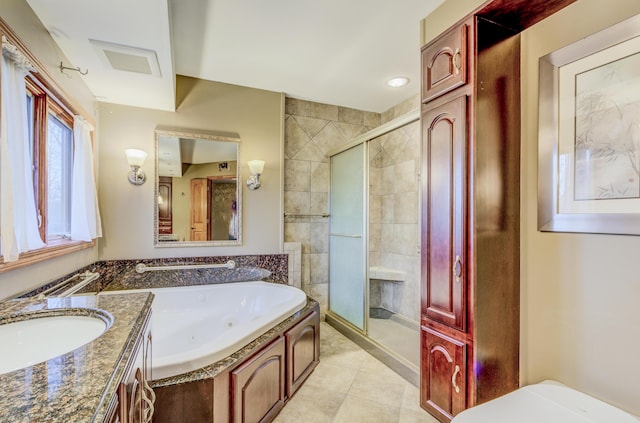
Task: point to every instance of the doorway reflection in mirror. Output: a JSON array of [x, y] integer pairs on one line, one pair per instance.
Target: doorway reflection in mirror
[[198, 195]]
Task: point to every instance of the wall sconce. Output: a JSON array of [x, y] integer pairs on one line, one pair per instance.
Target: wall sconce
[[136, 158], [256, 167]]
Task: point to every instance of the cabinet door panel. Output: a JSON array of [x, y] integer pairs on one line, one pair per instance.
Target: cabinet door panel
[[258, 385], [444, 63], [444, 135], [303, 351], [443, 375]]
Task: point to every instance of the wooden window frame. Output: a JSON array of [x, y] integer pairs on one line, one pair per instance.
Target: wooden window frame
[[48, 98]]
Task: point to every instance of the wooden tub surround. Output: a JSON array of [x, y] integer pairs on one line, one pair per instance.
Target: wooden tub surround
[[251, 385]]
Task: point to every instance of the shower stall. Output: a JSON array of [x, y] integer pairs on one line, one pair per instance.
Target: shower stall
[[374, 257]]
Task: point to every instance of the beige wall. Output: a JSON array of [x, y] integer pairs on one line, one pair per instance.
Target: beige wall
[[256, 116], [579, 292], [19, 16]]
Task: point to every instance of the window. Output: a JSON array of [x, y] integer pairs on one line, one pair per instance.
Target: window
[[59, 152], [50, 133], [51, 136]]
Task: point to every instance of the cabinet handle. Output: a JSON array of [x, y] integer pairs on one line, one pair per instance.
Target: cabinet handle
[[453, 379], [457, 268], [150, 398], [456, 60]]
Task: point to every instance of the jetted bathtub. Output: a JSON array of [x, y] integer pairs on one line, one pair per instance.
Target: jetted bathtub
[[194, 326]]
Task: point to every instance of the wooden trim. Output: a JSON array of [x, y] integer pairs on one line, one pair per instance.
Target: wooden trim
[[39, 151], [52, 250]]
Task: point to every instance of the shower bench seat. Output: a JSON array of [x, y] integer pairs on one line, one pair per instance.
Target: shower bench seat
[[386, 274]]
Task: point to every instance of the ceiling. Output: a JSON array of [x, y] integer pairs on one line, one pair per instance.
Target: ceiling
[[333, 51]]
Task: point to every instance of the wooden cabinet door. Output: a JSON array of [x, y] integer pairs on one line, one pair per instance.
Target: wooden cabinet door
[[258, 386], [443, 375], [303, 351], [199, 210], [444, 63], [444, 144]]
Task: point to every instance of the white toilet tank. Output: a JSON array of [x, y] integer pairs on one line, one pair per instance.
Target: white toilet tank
[[548, 402]]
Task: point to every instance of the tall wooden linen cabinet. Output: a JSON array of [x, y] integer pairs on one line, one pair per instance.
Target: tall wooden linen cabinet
[[471, 205], [470, 257]]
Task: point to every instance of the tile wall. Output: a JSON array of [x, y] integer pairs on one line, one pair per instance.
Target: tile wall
[[394, 166], [311, 131]]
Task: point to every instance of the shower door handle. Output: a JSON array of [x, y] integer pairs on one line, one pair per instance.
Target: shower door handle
[[346, 235]]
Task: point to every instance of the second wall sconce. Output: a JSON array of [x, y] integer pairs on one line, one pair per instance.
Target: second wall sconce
[[136, 159], [256, 167]]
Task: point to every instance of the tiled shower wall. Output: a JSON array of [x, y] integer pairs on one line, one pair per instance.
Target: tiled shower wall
[[312, 130], [394, 166]]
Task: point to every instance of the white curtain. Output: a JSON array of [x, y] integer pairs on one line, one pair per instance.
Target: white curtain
[[18, 217], [85, 215]]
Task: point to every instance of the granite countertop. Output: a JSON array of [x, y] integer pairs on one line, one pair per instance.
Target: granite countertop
[[77, 386]]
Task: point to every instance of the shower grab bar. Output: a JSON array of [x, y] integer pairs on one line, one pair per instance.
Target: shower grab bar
[[346, 235], [306, 215], [88, 278], [141, 267]]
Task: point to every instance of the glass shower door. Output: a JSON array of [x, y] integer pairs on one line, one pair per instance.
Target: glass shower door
[[347, 276]]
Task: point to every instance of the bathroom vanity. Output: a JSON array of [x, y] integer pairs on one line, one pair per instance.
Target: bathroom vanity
[[101, 381], [134, 400]]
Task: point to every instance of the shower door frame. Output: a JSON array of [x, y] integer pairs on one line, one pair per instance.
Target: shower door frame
[[405, 119]]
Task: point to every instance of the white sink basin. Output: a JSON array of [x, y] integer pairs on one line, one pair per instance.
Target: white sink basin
[[28, 342]]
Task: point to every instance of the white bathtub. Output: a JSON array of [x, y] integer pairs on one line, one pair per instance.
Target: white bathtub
[[195, 326]]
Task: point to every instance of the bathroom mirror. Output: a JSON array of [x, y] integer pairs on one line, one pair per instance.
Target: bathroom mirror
[[198, 200]]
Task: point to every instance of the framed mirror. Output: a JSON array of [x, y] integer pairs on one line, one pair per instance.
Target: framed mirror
[[198, 197]]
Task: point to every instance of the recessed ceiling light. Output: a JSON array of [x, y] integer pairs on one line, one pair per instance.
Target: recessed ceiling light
[[398, 81]]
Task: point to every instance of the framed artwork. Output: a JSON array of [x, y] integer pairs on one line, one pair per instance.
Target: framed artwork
[[589, 134]]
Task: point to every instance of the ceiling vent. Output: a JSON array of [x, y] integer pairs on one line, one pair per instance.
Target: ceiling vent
[[126, 58]]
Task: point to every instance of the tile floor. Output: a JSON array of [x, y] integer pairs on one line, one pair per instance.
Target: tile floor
[[351, 386]]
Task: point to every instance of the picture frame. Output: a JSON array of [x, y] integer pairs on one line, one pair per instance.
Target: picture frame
[[589, 134]]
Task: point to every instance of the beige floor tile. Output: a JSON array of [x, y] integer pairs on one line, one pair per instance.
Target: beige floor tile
[[373, 365], [407, 416], [351, 386], [284, 417], [355, 409], [337, 343], [379, 388], [353, 359], [411, 399], [336, 378], [411, 412], [312, 404]]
